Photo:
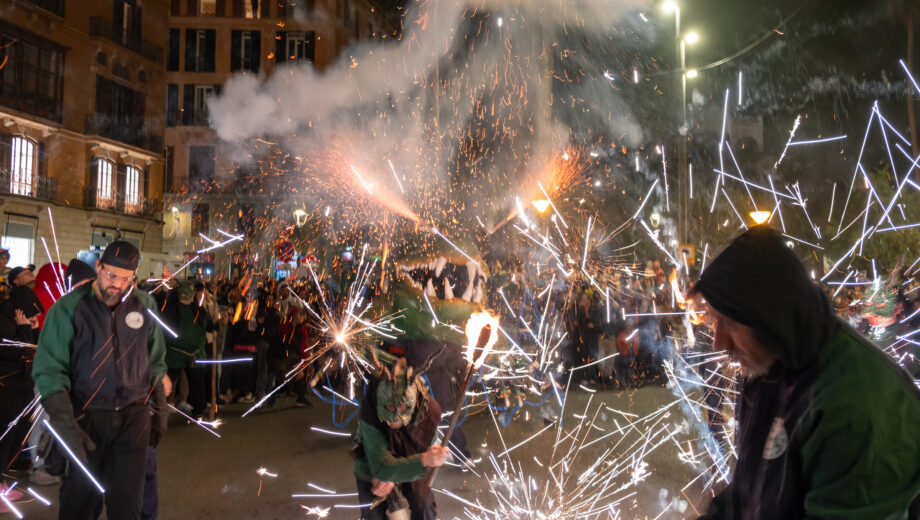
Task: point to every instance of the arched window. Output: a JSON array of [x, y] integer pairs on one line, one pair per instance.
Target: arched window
[[132, 186], [104, 175], [23, 166]]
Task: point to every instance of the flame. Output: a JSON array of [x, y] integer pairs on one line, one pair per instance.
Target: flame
[[474, 326], [239, 310], [675, 288]]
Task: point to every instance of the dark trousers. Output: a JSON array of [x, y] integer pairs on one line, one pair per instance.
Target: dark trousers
[[151, 507], [197, 389], [417, 510], [17, 393], [118, 463]]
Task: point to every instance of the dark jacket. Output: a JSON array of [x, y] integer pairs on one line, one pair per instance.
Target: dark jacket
[[191, 323], [831, 430], [106, 358]]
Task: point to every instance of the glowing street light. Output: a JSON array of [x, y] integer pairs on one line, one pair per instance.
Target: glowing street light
[[669, 6], [692, 37], [759, 217], [541, 205], [692, 73], [300, 216]]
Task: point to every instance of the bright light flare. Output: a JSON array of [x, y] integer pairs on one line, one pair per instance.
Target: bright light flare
[[474, 326], [541, 205], [759, 217]]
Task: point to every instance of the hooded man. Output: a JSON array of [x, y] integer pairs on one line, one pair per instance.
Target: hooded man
[[827, 422], [98, 365], [395, 443]]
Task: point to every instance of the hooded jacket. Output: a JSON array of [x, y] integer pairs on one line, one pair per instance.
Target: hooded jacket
[[831, 431]]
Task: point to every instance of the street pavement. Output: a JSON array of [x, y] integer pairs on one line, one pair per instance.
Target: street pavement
[[202, 476]]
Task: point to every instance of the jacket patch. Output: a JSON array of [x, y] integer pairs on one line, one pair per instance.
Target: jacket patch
[[777, 441], [134, 319]]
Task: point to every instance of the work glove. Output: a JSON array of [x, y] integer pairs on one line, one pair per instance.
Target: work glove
[[62, 419], [160, 415]]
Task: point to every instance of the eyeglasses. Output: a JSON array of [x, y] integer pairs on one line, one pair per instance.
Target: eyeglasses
[[114, 277]]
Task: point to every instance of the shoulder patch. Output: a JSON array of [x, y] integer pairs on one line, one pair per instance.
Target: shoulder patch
[[777, 440], [134, 319]]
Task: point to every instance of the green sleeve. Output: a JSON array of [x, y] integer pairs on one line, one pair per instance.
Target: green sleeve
[[156, 344], [51, 366], [856, 464], [382, 464]]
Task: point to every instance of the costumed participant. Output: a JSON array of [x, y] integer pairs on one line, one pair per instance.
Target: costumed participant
[[395, 445]]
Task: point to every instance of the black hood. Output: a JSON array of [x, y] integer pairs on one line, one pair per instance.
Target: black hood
[[758, 281]]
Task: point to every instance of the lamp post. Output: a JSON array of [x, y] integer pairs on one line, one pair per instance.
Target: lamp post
[[683, 135]]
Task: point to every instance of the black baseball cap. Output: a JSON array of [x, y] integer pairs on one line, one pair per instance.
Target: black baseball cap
[[121, 254], [14, 272]]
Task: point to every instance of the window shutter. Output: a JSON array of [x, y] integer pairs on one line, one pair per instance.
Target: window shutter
[[188, 102], [42, 170], [136, 17], [172, 104], [280, 51], [221, 9], [172, 60], [238, 11], [118, 13], [235, 58], [192, 8], [174, 8], [210, 40], [256, 58], [266, 9], [190, 50]]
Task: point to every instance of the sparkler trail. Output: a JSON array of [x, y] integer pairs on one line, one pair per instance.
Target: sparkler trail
[[199, 422], [72, 456]]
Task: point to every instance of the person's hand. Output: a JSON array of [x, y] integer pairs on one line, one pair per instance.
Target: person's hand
[[21, 317], [380, 488], [435, 456], [167, 384]]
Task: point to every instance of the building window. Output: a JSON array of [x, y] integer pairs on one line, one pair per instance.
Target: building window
[[207, 7], [200, 218], [54, 6], [196, 104], [296, 46], [132, 187], [23, 167], [200, 45], [119, 113], [172, 104], [172, 59], [245, 51], [104, 175], [200, 167], [19, 239], [31, 78], [252, 9]]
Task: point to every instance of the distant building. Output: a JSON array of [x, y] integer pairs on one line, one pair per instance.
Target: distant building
[[210, 41], [82, 91]]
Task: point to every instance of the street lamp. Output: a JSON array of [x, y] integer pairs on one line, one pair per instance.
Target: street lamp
[[300, 216], [692, 37], [691, 73], [759, 217]]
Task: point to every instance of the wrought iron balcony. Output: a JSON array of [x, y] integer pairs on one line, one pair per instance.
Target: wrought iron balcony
[[103, 27], [116, 202], [106, 126], [40, 187]]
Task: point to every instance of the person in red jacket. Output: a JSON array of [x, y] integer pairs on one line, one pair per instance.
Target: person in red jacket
[[48, 286]]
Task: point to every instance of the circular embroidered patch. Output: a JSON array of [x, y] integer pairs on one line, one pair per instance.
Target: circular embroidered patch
[[135, 320]]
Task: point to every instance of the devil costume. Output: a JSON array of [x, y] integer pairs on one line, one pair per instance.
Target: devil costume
[[390, 455]]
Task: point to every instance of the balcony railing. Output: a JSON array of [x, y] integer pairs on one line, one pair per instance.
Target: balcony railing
[[41, 188], [106, 126], [99, 26], [144, 207]]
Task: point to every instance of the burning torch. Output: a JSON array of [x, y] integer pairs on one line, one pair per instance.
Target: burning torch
[[481, 335]]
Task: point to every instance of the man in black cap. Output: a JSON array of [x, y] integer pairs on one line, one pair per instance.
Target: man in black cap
[[98, 367], [23, 276], [827, 422]]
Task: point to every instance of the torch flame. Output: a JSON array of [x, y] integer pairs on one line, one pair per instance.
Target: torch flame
[[474, 327], [675, 288]]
